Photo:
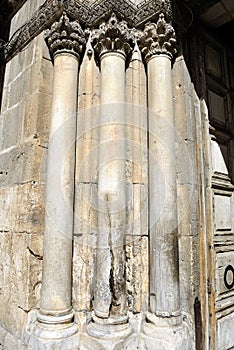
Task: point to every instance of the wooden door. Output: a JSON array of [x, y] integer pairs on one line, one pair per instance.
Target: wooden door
[[219, 87]]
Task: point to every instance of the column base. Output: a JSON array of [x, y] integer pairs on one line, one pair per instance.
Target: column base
[[161, 333], [51, 335], [106, 334]]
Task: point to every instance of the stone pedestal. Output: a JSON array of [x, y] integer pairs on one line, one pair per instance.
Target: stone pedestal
[[157, 336]]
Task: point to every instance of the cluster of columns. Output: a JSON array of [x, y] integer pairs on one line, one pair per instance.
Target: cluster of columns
[[112, 43]]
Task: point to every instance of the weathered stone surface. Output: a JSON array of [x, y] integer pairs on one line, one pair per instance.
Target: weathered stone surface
[[22, 279], [136, 110], [24, 133], [9, 341], [24, 13], [136, 120], [137, 273], [88, 119], [84, 258], [186, 168]]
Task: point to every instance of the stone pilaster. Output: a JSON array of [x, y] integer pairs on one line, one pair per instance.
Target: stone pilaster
[[110, 320], [65, 40], [164, 328]]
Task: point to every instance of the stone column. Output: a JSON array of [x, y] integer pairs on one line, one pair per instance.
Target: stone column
[[110, 315], [158, 47], [157, 44], [65, 40]]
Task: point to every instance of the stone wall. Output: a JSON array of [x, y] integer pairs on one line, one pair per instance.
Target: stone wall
[[24, 133], [25, 120], [24, 128]]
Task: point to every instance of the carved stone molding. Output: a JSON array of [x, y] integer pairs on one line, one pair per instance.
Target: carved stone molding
[[112, 36], [91, 14], [158, 38], [40, 20], [95, 12], [65, 36]]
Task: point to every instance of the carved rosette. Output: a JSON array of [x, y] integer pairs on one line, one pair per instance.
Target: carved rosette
[[65, 36], [113, 36], [158, 38]]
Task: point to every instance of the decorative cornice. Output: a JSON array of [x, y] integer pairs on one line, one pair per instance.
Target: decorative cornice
[[65, 36], [152, 8], [40, 20], [91, 14], [158, 38], [112, 36]]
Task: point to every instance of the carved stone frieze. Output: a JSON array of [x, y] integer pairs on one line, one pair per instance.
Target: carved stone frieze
[[113, 35], [134, 14], [91, 13], [65, 36], [153, 7], [41, 19], [158, 38]]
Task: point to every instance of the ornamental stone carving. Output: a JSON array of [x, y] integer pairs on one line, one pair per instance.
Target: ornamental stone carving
[[65, 36], [158, 38], [112, 36], [91, 13], [46, 14]]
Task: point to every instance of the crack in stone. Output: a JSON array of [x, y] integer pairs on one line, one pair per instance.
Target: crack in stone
[[111, 277], [37, 256]]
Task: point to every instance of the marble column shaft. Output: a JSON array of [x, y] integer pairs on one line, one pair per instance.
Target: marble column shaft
[[164, 279], [164, 275], [110, 43], [111, 187], [55, 305], [56, 287]]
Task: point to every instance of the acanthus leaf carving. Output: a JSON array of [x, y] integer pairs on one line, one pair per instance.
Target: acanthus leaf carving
[[65, 36], [158, 38], [91, 13], [112, 36]]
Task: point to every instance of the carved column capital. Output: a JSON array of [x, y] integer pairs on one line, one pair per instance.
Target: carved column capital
[[65, 36], [158, 38], [112, 36]]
